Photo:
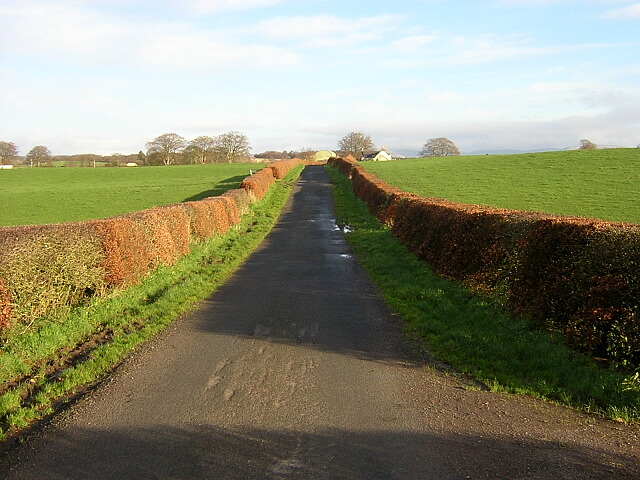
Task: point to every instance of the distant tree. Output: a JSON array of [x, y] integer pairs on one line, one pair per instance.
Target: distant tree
[[142, 158], [273, 155], [166, 146], [191, 155], [80, 159], [231, 147], [154, 158], [91, 159], [307, 154], [356, 143], [439, 147], [587, 145], [8, 151], [201, 148], [116, 159], [38, 154]]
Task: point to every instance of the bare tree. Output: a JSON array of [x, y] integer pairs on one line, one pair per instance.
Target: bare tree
[[587, 145], [166, 145], [8, 151], [231, 147], [201, 148], [116, 159], [273, 155], [306, 154], [439, 147], [38, 154], [356, 143]]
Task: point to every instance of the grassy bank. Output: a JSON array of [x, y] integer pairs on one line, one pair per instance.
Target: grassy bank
[[590, 183], [33, 196], [42, 368], [473, 335]]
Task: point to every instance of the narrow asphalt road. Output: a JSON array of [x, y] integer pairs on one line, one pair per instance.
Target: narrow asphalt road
[[297, 369]]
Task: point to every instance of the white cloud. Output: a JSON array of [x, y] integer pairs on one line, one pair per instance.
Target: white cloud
[[412, 43], [535, 114], [200, 51], [74, 35], [58, 28], [328, 30], [630, 12], [210, 6], [460, 50], [535, 3], [546, 3]]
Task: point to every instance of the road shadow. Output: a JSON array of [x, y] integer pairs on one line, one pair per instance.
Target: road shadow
[[212, 452]]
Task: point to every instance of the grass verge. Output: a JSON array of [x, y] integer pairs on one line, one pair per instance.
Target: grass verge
[[472, 334], [69, 352]]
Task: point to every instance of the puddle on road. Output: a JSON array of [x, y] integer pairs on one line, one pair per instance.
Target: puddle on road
[[344, 229], [341, 256]]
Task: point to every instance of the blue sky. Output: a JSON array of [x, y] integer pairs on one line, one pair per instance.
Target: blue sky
[[107, 76]]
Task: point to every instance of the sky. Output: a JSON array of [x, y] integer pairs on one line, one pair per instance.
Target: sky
[[108, 76]]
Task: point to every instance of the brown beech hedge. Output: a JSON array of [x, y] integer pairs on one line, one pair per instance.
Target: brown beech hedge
[[43, 267], [578, 276]]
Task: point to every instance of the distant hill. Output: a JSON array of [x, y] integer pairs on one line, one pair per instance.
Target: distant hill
[[539, 150]]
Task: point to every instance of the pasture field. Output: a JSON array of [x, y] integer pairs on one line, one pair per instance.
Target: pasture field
[[587, 183], [31, 196]]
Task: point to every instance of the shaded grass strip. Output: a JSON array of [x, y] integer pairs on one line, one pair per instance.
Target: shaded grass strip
[[472, 334], [129, 318]]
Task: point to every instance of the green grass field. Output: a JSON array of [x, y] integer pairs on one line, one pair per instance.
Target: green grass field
[[598, 183], [30, 196]]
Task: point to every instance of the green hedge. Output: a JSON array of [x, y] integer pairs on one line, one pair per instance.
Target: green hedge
[[574, 275], [43, 267]]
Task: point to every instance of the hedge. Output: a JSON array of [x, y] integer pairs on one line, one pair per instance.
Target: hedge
[[258, 184], [43, 267], [281, 168], [574, 275]]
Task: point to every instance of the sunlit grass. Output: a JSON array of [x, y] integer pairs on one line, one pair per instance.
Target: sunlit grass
[[591, 183], [30, 196]]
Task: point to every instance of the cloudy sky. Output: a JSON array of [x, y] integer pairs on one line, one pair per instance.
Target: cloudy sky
[[106, 76]]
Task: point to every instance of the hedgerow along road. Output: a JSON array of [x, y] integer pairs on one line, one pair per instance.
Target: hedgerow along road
[[296, 368]]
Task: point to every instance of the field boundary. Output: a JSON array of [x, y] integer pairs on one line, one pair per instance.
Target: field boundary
[[574, 275], [43, 267]]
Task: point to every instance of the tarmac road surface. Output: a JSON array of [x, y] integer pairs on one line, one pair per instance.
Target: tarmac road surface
[[296, 369]]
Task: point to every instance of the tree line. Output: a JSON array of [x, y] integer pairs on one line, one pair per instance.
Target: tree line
[[165, 149], [173, 149]]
